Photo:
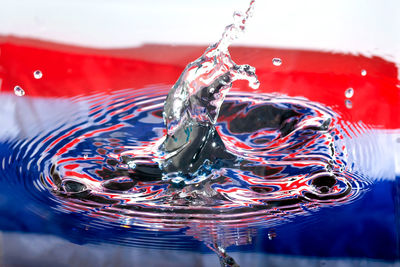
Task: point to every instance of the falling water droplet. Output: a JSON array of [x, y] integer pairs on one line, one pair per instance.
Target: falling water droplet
[[348, 104], [363, 72], [271, 234], [349, 92], [277, 61], [37, 74], [19, 91]]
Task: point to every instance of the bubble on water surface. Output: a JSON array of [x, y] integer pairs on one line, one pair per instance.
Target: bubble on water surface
[[19, 91]]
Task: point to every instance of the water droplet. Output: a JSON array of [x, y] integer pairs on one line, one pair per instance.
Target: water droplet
[[37, 74], [349, 92], [277, 61], [271, 234], [329, 168], [363, 72], [132, 164], [19, 91], [348, 104], [85, 156]]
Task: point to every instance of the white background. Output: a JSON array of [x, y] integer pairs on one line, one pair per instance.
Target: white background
[[358, 26]]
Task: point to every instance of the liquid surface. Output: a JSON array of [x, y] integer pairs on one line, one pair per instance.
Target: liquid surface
[[294, 161]]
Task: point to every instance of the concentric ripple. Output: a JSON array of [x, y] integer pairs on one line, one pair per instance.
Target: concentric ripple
[[293, 162]]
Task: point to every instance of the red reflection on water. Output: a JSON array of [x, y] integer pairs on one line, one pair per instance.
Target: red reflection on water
[[319, 76]]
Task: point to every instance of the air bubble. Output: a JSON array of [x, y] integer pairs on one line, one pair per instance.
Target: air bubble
[[37, 74], [272, 234], [277, 61], [363, 72], [348, 104], [349, 92], [19, 91]]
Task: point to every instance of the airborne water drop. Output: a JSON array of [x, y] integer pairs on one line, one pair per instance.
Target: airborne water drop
[[37, 74], [272, 234], [348, 104], [19, 91], [349, 92], [277, 61]]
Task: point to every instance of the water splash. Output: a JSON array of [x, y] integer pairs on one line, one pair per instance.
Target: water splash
[[193, 104], [269, 156]]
